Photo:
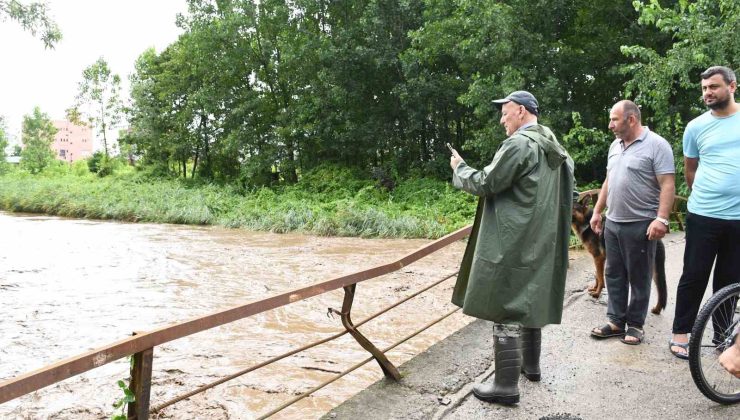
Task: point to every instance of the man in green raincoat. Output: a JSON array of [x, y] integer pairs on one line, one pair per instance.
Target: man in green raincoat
[[514, 267]]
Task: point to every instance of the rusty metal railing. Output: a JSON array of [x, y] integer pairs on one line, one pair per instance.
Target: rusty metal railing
[[141, 345], [203, 388]]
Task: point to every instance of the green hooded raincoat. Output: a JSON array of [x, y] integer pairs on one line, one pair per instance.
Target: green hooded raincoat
[[514, 267]]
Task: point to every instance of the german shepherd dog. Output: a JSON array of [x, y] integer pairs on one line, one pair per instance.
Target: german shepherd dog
[[580, 221]]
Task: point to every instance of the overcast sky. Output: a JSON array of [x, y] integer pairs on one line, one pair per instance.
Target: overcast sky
[[118, 30]]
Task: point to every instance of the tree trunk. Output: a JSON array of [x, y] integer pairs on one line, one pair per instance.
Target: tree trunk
[[195, 163], [206, 148], [290, 174], [459, 131], [102, 124]]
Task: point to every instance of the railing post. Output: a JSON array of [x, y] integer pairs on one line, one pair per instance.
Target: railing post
[[141, 384], [388, 368]]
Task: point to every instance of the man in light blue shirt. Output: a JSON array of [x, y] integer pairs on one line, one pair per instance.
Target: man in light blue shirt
[[711, 148]]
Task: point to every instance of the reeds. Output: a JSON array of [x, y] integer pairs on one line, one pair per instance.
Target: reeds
[[415, 209]]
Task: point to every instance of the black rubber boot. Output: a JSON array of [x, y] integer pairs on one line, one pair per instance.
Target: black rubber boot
[[507, 353], [531, 347]]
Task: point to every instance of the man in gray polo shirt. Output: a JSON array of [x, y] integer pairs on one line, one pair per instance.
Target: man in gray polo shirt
[[638, 192]]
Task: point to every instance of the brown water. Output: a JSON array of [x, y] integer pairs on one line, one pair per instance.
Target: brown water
[[68, 286]]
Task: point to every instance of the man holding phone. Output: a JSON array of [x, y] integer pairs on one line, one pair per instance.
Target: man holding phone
[[514, 267]]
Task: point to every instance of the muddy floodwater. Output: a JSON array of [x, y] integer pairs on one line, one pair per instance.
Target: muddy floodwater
[[68, 286]]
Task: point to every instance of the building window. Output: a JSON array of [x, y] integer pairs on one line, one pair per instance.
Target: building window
[[62, 153]]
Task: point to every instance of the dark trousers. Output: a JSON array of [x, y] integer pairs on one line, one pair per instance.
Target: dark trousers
[[630, 258], [707, 238]]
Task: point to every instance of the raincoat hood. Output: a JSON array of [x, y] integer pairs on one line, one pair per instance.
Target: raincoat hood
[[554, 152]]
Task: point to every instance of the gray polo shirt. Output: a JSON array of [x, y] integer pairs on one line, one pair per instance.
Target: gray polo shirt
[[634, 192]]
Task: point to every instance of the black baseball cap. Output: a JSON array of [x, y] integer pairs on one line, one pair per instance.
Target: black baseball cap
[[523, 98]]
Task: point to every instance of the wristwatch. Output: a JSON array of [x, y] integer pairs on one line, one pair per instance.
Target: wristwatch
[[664, 221]]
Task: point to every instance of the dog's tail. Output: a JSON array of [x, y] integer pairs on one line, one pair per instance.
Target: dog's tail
[[659, 278]]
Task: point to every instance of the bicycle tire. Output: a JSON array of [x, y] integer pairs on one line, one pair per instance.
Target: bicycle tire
[[708, 375]]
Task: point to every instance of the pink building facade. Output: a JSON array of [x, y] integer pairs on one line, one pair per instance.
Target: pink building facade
[[72, 142]]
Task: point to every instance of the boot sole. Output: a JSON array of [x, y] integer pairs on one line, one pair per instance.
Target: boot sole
[[501, 399], [534, 377]]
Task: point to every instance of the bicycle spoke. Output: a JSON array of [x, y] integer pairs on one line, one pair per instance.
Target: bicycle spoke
[[715, 323]]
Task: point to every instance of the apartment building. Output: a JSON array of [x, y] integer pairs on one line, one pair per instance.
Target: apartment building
[[72, 142]]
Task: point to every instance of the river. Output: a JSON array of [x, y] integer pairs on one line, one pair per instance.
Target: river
[[68, 286]]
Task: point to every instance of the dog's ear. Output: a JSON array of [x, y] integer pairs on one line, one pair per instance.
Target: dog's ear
[[590, 198], [585, 200]]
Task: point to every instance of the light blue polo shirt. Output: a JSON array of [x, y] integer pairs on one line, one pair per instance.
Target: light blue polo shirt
[[716, 142]]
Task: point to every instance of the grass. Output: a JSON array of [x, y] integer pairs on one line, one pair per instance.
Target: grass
[[329, 201]]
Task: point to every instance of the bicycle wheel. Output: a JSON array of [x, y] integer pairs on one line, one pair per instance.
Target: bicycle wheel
[[711, 334]]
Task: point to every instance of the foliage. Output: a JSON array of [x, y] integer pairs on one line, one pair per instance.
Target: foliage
[[108, 166], [704, 34], [320, 116], [3, 146], [37, 136], [588, 147], [103, 165], [122, 403], [98, 101], [33, 17], [79, 167], [93, 162], [332, 179], [343, 205], [262, 92]]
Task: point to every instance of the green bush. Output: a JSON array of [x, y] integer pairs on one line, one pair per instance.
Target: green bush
[[80, 168], [93, 162]]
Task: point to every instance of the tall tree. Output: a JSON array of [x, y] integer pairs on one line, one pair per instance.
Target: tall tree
[[99, 100], [157, 128], [226, 93], [33, 17], [469, 52], [359, 103], [37, 135], [253, 87], [704, 34], [667, 82]]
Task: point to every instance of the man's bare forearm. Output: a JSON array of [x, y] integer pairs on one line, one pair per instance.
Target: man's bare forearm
[[601, 202], [667, 195], [690, 166]]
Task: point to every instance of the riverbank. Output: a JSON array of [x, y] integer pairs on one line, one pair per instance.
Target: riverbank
[[326, 202], [582, 378]]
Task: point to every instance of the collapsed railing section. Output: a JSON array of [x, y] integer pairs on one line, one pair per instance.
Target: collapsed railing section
[[141, 345]]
